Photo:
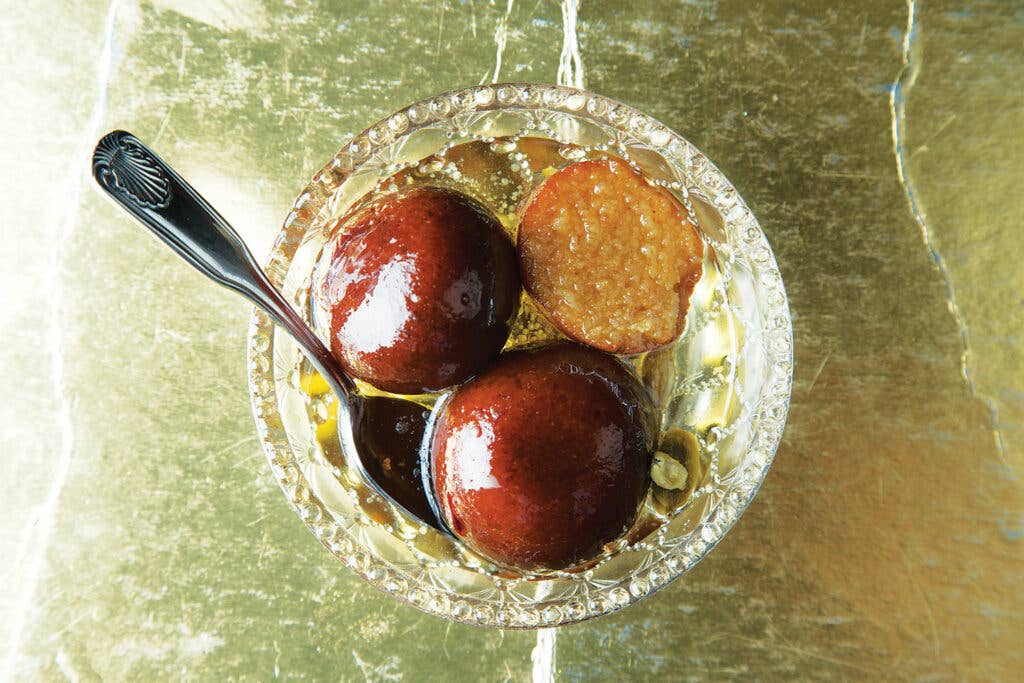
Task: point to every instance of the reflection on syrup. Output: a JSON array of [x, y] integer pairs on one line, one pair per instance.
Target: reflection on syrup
[[501, 174]]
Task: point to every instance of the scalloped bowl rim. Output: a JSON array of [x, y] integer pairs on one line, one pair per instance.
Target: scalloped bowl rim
[[772, 406]]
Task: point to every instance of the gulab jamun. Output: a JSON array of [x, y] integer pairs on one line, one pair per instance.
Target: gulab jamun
[[422, 288], [611, 258], [544, 458]]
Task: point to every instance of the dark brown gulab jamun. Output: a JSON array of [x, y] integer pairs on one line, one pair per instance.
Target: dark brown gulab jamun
[[545, 457], [422, 288]]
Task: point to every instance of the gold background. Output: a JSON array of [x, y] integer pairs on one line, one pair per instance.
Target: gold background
[[879, 143]]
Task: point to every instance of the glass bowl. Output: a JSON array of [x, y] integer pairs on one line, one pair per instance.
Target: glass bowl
[[726, 382]]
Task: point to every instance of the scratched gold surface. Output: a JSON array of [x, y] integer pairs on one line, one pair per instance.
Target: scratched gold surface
[[880, 144]]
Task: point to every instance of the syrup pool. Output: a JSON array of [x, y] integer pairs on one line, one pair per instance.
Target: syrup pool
[[693, 379]]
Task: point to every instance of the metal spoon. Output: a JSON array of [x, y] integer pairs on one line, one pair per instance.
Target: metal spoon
[[155, 195]]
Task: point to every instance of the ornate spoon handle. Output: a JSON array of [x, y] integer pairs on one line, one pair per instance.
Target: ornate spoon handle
[[149, 189]]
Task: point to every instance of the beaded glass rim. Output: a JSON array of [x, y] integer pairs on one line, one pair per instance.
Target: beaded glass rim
[[503, 609]]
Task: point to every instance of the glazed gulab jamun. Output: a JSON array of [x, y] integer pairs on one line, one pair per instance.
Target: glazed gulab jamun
[[611, 258], [545, 457], [421, 288]]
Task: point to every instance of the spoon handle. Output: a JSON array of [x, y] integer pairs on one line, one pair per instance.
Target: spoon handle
[[151, 191]]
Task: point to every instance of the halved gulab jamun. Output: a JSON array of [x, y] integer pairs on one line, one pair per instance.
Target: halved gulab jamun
[[611, 258], [545, 457], [422, 289]]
